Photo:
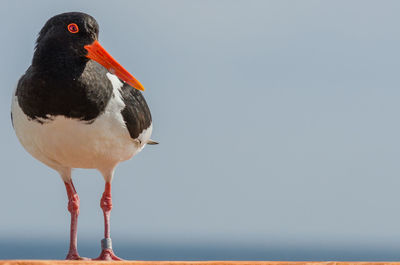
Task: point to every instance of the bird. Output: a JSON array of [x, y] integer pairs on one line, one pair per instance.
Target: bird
[[77, 107]]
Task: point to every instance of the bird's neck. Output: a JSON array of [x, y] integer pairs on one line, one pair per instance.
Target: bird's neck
[[58, 63]]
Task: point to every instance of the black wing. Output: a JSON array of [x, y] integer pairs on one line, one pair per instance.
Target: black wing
[[136, 113]]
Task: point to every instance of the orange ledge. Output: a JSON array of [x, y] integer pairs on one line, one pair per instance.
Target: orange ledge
[[63, 262]]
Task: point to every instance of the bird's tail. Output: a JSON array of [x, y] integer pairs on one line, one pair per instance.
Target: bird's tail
[[151, 142]]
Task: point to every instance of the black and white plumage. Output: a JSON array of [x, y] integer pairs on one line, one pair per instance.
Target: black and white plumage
[[71, 111], [64, 133], [85, 110]]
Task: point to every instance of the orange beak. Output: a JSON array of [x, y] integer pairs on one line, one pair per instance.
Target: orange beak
[[97, 53]]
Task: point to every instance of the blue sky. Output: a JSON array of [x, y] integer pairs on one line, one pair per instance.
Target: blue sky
[[277, 122]]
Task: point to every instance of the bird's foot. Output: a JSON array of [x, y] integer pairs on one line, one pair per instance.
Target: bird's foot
[[107, 254], [73, 255]]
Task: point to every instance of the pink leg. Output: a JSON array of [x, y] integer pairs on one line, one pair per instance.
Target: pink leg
[[73, 208], [106, 204]]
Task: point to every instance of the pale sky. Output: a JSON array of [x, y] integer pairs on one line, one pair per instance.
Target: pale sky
[[278, 121]]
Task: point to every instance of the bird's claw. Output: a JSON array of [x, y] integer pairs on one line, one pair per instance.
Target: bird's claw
[[75, 256], [107, 254]]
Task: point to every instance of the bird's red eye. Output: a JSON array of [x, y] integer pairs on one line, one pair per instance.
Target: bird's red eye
[[73, 28]]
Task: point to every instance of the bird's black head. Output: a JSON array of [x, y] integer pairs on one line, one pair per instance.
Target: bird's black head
[[68, 41], [64, 36]]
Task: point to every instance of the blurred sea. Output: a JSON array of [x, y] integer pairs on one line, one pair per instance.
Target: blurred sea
[[42, 249]]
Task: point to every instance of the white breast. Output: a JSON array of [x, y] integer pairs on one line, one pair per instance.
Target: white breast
[[62, 142]]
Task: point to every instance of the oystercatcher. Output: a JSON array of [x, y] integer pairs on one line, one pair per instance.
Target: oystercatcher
[[77, 107]]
